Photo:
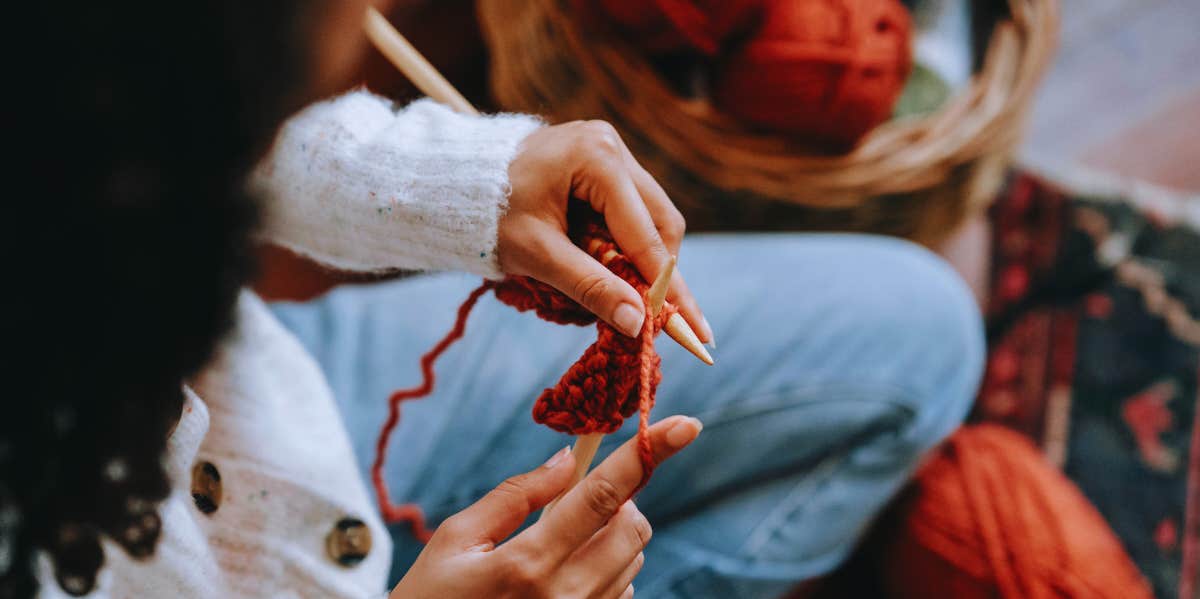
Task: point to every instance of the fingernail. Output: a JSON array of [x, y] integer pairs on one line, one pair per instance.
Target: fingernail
[[558, 457], [629, 319], [684, 432], [712, 339]]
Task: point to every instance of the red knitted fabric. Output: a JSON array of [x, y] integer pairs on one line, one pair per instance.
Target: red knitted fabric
[[615, 377], [661, 26], [825, 70], [989, 518]]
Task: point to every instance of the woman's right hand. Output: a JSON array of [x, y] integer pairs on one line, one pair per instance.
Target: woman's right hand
[[589, 546]]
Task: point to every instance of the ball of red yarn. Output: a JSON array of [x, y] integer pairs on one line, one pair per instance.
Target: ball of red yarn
[[825, 70], [989, 518], [660, 26]]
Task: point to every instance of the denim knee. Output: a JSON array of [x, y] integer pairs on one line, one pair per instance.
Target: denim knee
[[933, 338], [877, 317]]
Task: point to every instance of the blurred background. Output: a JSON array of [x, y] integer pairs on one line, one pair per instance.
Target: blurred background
[[1047, 148], [1123, 94]]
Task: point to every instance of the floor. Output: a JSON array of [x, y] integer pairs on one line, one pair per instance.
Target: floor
[[1122, 97], [1124, 92]]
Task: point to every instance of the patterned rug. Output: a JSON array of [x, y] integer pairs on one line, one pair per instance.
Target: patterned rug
[[1096, 356]]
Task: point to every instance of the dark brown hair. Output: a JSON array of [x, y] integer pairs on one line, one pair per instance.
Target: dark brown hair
[[126, 238]]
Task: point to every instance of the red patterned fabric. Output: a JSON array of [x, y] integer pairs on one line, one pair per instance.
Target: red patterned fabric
[[1097, 362], [1102, 370]]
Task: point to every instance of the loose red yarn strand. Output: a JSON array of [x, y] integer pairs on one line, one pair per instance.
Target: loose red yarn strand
[[411, 513], [616, 376], [646, 395]]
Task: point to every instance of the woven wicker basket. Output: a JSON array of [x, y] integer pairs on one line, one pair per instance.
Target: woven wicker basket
[[915, 177]]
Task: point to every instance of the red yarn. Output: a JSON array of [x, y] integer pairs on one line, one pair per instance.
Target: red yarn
[[989, 518], [616, 376], [827, 70], [675, 25]]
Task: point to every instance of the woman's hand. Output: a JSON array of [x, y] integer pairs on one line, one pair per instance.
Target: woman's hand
[[589, 546], [589, 162]]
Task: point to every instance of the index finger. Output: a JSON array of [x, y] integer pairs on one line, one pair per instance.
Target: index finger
[[632, 226], [670, 226], [634, 230], [586, 508], [609, 185]]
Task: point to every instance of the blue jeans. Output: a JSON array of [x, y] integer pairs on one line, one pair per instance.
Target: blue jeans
[[841, 360]]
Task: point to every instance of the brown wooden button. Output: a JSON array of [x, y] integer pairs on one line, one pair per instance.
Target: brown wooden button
[[76, 585], [349, 542], [140, 534], [78, 557], [206, 487]]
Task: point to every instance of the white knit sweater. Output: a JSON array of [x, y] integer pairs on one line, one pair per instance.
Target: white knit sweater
[[358, 186]]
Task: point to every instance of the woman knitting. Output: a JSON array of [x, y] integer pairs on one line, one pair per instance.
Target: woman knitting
[[169, 435]]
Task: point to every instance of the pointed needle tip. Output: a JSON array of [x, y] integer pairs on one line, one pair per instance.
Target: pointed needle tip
[[677, 328]]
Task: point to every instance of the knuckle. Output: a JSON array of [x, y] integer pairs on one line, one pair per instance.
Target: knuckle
[[634, 526], [602, 137], [601, 128], [522, 571], [602, 496], [454, 527], [592, 288], [517, 485], [673, 225], [649, 252], [513, 492], [641, 529]]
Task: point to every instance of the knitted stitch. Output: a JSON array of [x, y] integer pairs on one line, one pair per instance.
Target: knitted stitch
[[615, 377]]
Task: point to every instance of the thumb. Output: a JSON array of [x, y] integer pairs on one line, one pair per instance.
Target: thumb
[[596, 288], [498, 514]]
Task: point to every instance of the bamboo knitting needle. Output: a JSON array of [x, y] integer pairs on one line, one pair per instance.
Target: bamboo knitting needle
[[585, 451], [657, 294], [677, 328], [409, 61], [586, 445]]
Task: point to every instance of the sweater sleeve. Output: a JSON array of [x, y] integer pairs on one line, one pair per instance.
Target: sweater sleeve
[[358, 186]]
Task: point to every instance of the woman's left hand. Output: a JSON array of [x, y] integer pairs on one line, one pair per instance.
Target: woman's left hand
[[586, 160]]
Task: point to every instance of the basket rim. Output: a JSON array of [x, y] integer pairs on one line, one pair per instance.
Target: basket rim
[[983, 119]]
